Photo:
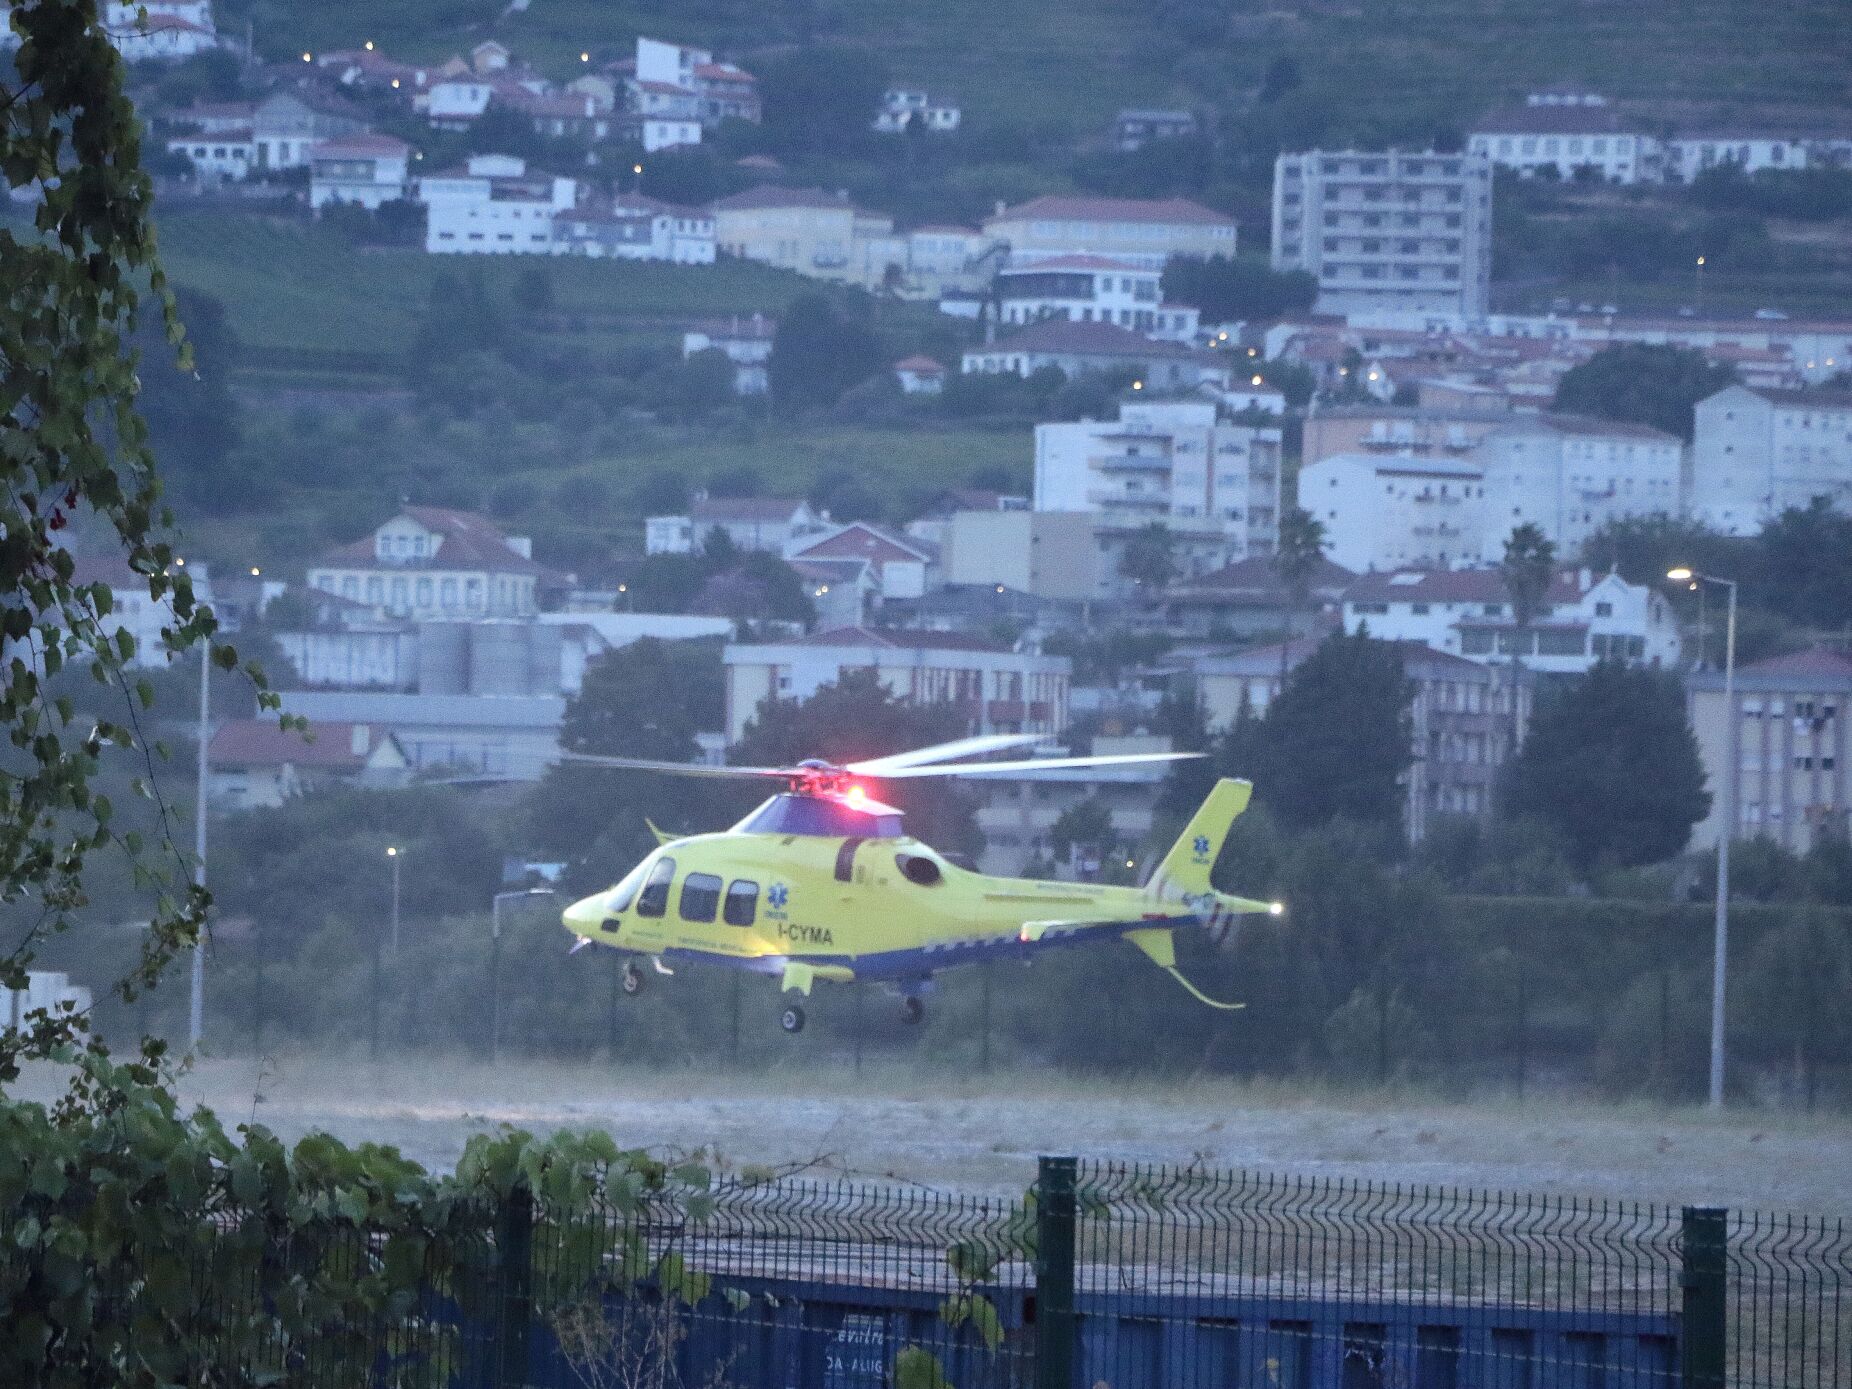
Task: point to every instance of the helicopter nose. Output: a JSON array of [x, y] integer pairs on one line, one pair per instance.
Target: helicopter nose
[[585, 916]]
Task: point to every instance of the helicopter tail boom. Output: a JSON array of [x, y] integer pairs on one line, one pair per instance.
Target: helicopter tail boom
[[1182, 875]]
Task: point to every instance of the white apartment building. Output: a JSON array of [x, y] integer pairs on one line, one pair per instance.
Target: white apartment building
[[363, 170], [429, 563], [131, 610], [777, 525], [1215, 486], [1570, 475], [494, 206], [1016, 812], [456, 103], [1389, 512], [1758, 452], [746, 341], [1584, 617], [1147, 231], [154, 30], [1791, 764], [1387, 230], [1093, 289], [1568, 139], [992, 688], [671, 81]]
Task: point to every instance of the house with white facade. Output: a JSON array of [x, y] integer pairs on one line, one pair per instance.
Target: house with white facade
[[1135, 127], [493, 205], [1145, 230], [1093, 289], [456, 102], [900, 564], [1584, 617], [1082, 348], [777, 525], [279, 132], [673, 84], [1750, 151], [131, 610], [361, 170], [906, 108], [1757, 452], [747, 342], [430, 563], [160, 30], [629, 226], [919, 375], [1572, 139], [254, 763], [991, 688], [1214, 486]]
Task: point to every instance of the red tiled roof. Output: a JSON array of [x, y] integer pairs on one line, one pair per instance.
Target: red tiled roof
[[716, 510], [1062, 208], [903, 639], [1556, 120], [860, 540], [1816, 400], [918, 363], [261, 743], [1260, 576], [1077, 262], [1455, 586], [1084, 339], [361, 145], [768, 195], [1814, 661], [469, 542]]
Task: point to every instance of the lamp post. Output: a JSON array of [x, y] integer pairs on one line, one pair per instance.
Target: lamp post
[[196, 991], [392, 854], [1721, 933], [495, 961]]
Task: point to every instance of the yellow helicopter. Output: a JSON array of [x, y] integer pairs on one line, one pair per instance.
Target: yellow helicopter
[[820, 882]]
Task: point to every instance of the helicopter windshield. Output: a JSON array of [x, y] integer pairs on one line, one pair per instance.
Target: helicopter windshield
[[819, 815]]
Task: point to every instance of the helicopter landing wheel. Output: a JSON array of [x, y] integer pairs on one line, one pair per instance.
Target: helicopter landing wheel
[[792, 1019], [633, 978], [912, 1009]]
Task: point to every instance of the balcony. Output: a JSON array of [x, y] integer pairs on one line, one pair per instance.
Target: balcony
[[1129, 463]]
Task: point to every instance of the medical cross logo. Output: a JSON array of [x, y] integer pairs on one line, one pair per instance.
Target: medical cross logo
[[778, 895], [1201, 845]]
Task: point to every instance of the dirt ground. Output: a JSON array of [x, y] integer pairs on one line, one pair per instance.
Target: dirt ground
[[983, 1134]]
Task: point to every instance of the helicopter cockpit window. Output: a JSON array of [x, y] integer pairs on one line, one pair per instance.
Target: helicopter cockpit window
[[625, 892], [700, 897], [654, 899], [742, 902]]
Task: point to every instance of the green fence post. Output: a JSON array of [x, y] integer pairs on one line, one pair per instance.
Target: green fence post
[[1704, 1280], [1055, 1209], [514, 1279]]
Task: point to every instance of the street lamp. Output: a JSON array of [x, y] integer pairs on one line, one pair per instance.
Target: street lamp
[[495, 961], [392, 854], [1721, 936]]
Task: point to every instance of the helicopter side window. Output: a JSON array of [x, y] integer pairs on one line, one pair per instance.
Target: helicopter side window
[[625, 892], [742, 902], [700, 897], [654, 899]]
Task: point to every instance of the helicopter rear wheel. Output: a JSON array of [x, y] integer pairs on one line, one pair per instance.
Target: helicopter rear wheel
[[792, 1019], [912, 1009], [633, 978]]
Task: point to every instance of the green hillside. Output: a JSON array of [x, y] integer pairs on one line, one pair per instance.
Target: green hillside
[[1076, 61]]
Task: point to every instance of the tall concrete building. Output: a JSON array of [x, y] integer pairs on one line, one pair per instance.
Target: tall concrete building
[[1214, 486], [1408, 232], [1758, 452]]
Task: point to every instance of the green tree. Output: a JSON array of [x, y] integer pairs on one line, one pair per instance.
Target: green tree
[[1335, 742], [72, 444], [1805, 562], [819, 352], [821, 98], [1642, 383], [1528, 567], [1226, 288], [1612, 765], [191, 415], [595, 815], [1086, 825], [1301, 552], [1149, 559]]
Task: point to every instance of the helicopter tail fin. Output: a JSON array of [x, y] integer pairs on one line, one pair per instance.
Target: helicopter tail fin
[[1184, 871]]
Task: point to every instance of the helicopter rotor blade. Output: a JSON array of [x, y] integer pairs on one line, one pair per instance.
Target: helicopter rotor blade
[[1037, 764], [643, 764], [944, 752]]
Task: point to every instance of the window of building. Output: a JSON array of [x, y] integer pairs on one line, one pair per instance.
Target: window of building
[[654, 899], [1604, 610]]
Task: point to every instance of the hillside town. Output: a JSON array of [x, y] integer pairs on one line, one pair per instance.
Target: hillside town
[[1415, 426]]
